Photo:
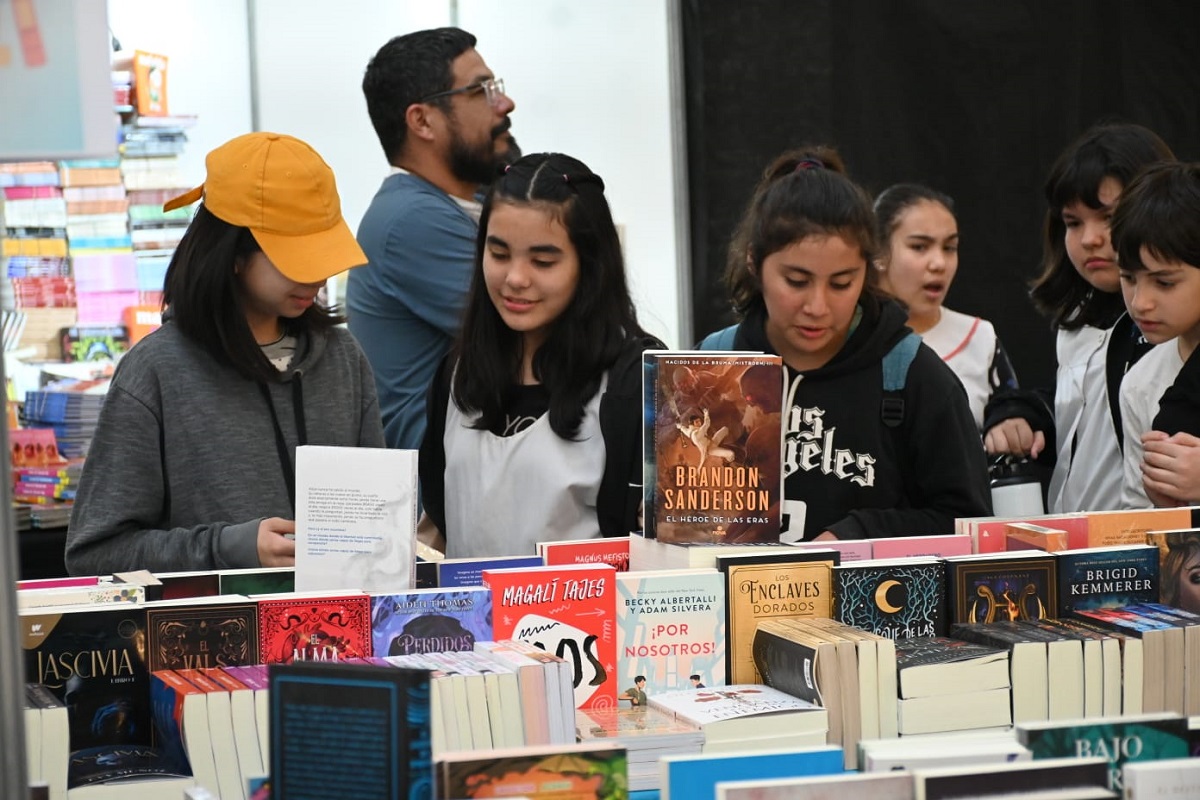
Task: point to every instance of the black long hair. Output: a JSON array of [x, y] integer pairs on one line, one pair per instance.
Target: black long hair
[[1111, 150], [203, 295], [804, 192], [586, 339]]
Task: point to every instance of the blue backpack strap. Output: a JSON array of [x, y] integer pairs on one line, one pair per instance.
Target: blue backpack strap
[[895, 374], [719, 340]]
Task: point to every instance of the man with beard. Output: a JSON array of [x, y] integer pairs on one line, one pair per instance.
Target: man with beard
[[442, 118]]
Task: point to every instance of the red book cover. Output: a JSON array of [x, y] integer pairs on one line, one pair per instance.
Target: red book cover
[[314, 627], [569, 611], [612, 550]]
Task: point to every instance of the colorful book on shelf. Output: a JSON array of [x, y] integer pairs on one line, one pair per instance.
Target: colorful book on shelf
[[1107, 577], [93, 660], [713, 466], [1179, 566], [574, 771], [990, 534], [462, 572], [314, 627], [1031, 536], [221, 631], [317, 708], [670, 629], [1162, 654], [430, 620], [1118, 740], [686, 777], [771, 586], [611, 550], [569, 611], [941, 546], [892, 597], [1001, 586], [1111, 528]]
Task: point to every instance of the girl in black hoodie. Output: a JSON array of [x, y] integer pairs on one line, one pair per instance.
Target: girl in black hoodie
[[858, 460]]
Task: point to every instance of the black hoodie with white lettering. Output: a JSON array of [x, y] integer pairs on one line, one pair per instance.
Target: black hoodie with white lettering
[[845, 470]]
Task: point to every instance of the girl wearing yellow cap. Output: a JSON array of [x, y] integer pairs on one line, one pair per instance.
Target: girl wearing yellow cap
[[192, 463], [534, 421]]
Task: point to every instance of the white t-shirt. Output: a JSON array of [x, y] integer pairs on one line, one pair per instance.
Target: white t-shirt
[[1141, 389], [968, 346]]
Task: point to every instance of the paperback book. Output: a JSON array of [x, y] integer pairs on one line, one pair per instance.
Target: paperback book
[[201, 634], [893, 598], [670, 630], [1107, 577], [1001, 587], [314, 627], [377, 721], [356, 518], [430, 621], [569, 611]]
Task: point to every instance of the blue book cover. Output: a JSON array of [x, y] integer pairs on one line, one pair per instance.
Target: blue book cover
[[460, 572], [1106, 577], [692, 776], [430, 621], [350, 729]]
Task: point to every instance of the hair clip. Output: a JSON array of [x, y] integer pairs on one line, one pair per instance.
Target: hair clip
[[807, 164], [507, 167]]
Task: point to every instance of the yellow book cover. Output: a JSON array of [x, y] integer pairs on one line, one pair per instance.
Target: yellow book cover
[[774, 586], [1112, 528]]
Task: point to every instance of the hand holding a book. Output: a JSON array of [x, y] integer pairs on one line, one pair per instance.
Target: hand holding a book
[[276, 542], [1014, 437], [1171, 468]]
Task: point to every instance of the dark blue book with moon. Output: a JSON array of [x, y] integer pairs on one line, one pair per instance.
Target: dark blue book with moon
[[896, 598]]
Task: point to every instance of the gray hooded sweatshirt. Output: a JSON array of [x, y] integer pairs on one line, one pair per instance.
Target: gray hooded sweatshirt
[[188, 457]]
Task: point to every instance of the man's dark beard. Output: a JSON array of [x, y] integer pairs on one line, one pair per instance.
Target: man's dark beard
[[481, 165]]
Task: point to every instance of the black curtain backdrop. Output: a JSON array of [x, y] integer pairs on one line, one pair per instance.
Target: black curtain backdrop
[[973, 98]]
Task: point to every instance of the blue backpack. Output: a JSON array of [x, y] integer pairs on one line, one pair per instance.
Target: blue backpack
[[895, 369]]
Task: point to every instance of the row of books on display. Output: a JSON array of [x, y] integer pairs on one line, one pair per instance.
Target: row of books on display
[[631, 637], [231, 730]]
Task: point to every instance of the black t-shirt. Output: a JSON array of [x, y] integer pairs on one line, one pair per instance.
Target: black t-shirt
[[522, 407]]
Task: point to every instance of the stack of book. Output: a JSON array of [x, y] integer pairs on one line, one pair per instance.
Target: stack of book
[[951, 685], [150, 166], [849, 672], [746, 717], [647, 734], [37, 271], [72, 414], [98, 240]]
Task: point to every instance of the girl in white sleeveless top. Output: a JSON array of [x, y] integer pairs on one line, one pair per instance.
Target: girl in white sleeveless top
[[534, 420], [919, 234]]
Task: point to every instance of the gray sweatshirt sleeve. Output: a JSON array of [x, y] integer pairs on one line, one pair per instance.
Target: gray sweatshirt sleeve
[[372, 423], [121, 500]]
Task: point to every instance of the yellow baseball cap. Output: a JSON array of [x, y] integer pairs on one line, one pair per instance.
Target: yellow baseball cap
[[284, 192]]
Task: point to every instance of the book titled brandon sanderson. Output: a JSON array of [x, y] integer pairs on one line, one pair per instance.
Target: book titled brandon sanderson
[[712, 446]]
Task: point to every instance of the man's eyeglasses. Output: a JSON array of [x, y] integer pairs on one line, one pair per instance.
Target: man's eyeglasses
[[492, 88]]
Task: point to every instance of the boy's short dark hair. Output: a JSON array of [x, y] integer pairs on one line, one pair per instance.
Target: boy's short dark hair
[[1160, 212]]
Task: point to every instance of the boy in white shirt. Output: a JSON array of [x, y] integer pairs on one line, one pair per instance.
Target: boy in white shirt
[[1156, 230]]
